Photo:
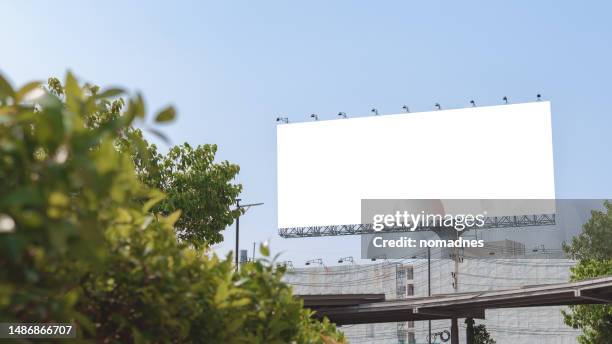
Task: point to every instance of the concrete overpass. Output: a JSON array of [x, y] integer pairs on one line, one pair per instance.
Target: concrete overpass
[[343, 309]]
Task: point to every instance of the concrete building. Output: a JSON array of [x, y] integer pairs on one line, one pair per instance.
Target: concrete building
[[407, 278], [392, 279], [540, 325]]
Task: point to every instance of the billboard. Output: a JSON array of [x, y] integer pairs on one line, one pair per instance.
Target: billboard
[[325, 168]]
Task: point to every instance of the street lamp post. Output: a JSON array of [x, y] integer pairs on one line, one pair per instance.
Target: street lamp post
[[238, 206]]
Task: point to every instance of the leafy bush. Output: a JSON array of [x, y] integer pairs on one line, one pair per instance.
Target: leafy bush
[[63, 185], [83, 239]]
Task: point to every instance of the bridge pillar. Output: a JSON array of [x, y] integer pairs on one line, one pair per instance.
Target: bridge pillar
[[454, 331]]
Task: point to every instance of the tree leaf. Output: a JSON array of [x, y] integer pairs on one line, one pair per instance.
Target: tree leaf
[[6, 90], [166, 115], [172, 218], [110, 92], [155, 197], [221, 294], [27, 88], [159, 134], [72, 87], [264, 249]]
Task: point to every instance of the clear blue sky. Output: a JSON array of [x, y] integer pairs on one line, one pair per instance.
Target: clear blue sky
[[232, 67]]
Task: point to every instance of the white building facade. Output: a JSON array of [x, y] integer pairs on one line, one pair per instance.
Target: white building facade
[[408, 278]]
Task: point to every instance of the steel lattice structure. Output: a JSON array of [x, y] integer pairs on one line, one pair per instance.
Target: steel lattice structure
[[492, 222]]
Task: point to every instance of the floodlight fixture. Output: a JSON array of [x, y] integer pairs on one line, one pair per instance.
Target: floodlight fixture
[[318, 261], [287, 264], [346, 259], [382, 256]]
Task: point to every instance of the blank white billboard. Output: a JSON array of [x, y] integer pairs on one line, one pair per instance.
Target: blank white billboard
[[325, 168]]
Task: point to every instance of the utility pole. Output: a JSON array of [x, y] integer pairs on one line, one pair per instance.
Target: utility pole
[[429, 287], [238, 207], [237, 232]]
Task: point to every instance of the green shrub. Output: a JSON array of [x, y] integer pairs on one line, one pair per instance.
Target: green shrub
[[84, 240]]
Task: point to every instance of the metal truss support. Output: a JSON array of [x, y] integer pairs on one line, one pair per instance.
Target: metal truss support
[[492, 222]]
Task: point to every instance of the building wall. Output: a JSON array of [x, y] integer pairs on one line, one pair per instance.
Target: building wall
[[513, 326], [354, 279], [522, 325]]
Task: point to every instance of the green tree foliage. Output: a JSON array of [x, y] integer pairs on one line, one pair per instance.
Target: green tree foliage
[[193, 183], [81, 239], [155, 288], [593, 251]]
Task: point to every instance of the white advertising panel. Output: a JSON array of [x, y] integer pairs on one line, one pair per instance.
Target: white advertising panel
[[325, 168]]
